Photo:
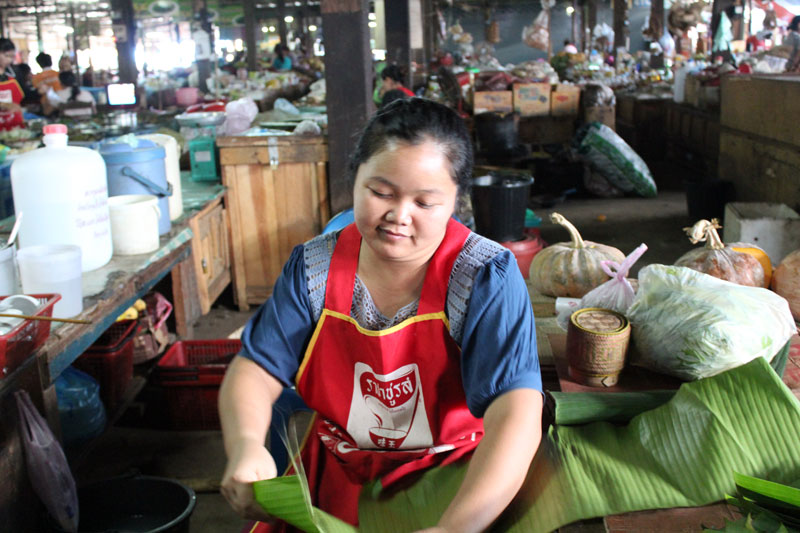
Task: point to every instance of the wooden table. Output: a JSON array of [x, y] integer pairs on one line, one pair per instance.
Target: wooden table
[[108, 292]]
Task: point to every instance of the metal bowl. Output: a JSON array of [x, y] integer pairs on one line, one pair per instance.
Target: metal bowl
[[202, 118]]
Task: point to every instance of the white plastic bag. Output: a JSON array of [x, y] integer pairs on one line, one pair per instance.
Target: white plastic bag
[[692, 325], [47, 466], [239, 114], [617, 293], [286, 106], [307, 127], [537, 35]]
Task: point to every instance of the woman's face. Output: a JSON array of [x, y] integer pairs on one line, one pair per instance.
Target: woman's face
[[404, 196], [7, 58]]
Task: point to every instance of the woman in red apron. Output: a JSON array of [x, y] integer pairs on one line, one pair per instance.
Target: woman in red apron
[[394, 399], [11, 94]]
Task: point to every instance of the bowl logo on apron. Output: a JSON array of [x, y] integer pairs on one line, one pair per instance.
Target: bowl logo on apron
[[387, 411]]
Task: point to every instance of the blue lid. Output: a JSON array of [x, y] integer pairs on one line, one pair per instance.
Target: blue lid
[[121, 152]]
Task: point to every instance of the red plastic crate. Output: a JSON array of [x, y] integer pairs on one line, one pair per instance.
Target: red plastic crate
[[110, 361], [25, 338], [190, 374]]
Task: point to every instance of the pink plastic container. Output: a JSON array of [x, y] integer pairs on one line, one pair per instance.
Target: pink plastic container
[[186, 96]]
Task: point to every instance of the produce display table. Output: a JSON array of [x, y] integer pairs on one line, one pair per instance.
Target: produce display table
[[108, 292]]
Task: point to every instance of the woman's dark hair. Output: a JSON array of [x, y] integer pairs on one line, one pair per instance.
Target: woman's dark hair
[[280, 49], [68, 79], [414, 121], [22, 70], [394, 73], [44, 60], [6, 45], [795, 23]]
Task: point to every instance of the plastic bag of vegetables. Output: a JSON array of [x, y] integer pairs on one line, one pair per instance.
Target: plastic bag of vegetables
[[692, 325], [615, 160]]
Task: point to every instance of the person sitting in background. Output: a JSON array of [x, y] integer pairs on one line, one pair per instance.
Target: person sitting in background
[[391, 96], [569, 47], [47, 77], [793, 42], [65, 63], [11, 94], [25, 79], [71, 100], [282, 60], [392, 78], [87, 80]]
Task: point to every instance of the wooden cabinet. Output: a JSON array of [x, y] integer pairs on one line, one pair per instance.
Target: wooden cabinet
[[277, 198], [210, 253]]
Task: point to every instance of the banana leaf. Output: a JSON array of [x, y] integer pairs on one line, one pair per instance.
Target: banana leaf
[[284, 497], [681, 454], [575, 408]]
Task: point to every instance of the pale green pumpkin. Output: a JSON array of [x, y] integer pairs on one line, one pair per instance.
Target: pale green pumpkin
[[571, 268]]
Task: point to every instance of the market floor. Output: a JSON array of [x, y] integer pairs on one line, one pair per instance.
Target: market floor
[[197, 457]]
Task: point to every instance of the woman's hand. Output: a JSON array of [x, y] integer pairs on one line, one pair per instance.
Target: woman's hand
[[10, 106], [249, 462]]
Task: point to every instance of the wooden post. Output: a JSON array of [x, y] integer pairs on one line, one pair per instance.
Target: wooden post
[[577, 19], [282, 32], [398, 35], [125, 33], [620, 25], [348, 77], [591, 20], [250, 28]]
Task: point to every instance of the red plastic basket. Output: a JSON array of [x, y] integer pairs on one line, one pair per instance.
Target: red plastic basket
[[190, 374], [19, 343], [110, 361]]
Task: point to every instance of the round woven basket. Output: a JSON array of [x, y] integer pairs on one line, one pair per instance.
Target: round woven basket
[[597, 341]]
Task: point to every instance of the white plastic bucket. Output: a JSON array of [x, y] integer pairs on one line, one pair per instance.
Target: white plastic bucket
[[134, 223], [53, 268], [172, 168], [8, 271]]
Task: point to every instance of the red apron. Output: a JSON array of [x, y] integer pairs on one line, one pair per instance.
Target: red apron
[[388, 402], [10, 92]]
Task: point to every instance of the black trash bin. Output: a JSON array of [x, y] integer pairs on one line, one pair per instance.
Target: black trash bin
[[707, 198], [496, 133], [498, 204]]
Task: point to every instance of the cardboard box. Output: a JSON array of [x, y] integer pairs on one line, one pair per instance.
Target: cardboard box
[[773, 227], [605, 114], [532, 99], [564, 100], [691, 91], [501, 101]]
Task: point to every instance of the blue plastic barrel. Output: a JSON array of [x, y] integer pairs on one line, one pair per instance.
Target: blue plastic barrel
[[139, 170]]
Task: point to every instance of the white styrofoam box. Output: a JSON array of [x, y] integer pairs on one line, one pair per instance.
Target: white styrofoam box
[[773, 227]]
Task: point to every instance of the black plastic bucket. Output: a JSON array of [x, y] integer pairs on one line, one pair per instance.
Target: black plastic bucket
[[496, 133], [498, 204], [135, 504], [707, 199]]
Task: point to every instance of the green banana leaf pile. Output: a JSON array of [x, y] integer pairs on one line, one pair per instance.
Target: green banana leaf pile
[[680, 454]]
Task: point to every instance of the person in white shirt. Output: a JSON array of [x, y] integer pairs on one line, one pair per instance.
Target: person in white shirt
[[69, 95]]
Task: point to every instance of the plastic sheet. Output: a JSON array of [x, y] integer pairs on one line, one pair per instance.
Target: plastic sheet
[[48, 469]]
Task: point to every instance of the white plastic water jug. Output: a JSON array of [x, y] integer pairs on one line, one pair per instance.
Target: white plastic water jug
[[63, 193], [172, 168]]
